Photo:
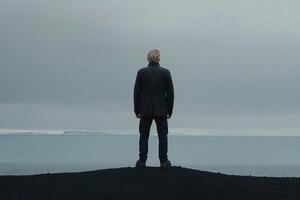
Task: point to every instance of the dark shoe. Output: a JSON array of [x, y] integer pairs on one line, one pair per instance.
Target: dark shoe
[[165, 164], [140, 164]]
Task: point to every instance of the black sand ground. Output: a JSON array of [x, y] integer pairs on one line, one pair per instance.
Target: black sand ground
[[150, 183]]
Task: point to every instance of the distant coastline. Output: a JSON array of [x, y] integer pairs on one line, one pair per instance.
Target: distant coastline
[[172, 131]]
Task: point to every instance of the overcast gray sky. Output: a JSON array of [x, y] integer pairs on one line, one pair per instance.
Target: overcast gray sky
[[72, 63]]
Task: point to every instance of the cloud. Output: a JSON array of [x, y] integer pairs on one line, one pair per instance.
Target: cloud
[[226, 57]]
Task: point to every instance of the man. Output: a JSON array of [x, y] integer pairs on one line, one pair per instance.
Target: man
[[153, 99]]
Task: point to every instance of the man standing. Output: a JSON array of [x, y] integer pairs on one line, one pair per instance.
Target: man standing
[[153, 99]]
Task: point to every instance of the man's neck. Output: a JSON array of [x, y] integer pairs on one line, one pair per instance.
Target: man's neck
[[153, 63]]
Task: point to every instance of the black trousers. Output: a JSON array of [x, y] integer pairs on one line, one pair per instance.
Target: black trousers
[[162, 131]]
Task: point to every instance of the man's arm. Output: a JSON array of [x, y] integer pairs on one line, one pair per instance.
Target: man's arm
[[170, 94], [137, 94]]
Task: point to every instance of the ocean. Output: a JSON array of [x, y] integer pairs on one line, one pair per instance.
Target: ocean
[[237, 155]]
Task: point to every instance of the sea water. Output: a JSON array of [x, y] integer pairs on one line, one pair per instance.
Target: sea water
[[238, 155]]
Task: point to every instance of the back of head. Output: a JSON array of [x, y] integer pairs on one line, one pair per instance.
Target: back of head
[[153, 56]]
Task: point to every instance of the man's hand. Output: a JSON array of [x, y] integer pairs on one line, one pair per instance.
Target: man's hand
[[138, 116], [169, 116]]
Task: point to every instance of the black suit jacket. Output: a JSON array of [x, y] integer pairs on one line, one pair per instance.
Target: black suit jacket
[[153, 91]]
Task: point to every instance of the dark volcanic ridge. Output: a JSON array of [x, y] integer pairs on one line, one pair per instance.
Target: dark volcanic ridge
[[149, 183]]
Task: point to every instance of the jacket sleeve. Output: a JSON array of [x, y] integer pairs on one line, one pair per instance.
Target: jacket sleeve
[[137, 93], [170, 94]]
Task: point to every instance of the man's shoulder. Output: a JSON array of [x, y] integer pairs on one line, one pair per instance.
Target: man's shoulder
[[165, 69], [142, 69]]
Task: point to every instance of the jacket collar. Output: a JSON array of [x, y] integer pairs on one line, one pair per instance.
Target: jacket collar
[[153, 64]]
